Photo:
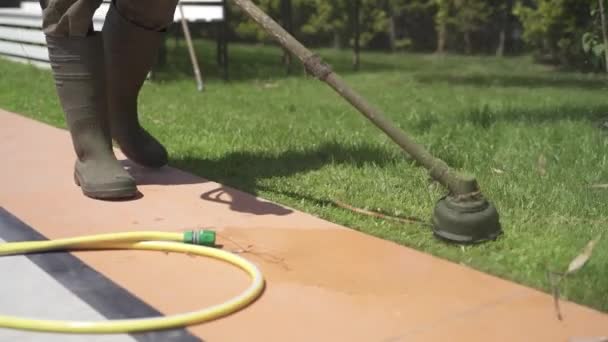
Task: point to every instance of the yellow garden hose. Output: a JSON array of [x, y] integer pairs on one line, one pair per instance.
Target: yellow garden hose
[[193, 243]]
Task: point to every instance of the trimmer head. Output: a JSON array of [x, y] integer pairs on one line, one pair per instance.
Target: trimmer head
[[466, 221]]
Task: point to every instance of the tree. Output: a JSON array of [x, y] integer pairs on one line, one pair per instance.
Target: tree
[[504, 11], [594, 46], [329, 17], [412, 24], [469, 16], [336, 18], [442, 22], [245, 28], [554, 28], [463, 16], [604, 30]]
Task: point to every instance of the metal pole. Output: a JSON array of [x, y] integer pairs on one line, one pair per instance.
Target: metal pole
[[197, 73]]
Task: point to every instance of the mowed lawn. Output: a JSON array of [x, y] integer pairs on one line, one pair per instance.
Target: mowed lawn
[[531, 134]]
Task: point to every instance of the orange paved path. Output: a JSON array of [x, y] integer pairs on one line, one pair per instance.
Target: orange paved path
[[325, 282]]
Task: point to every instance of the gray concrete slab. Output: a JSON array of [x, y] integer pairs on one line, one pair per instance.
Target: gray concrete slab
[[61, 286], [28, 291]]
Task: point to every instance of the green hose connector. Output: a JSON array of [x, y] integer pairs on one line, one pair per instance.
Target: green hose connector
[[200, 237]]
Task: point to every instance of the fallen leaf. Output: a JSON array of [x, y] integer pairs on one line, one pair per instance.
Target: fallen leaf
[[599, 186], [499, 171], [542, 165], [581, 259], [576, 264]]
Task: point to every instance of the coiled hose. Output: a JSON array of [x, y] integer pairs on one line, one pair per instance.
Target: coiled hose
[[192, 242]]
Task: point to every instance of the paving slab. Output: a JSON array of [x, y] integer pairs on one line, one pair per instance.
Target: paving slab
[[59, 286], [34, 294], [324, 282]]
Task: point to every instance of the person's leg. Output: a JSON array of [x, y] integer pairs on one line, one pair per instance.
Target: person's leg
[[77, 61], [133, 32]]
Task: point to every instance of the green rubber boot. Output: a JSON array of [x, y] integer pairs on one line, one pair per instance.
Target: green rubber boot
[[130, 53], [78, 70]]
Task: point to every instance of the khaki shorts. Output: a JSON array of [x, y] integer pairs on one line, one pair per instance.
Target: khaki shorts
[[73, 18]]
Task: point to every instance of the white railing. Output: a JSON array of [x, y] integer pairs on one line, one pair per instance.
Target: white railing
[[21, 36]]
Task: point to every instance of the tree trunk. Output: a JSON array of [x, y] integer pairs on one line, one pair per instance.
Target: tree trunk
[[504, 29], [357, 34], [468, 48], [442, 37], [441, 23], [500, 50], [392, 32], [337, 40], [287, 18], [604, 32]]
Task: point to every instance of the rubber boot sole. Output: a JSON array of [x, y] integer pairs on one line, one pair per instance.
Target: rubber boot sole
[[108, 193]]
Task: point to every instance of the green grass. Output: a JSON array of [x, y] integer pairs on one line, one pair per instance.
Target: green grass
[[294, 141]]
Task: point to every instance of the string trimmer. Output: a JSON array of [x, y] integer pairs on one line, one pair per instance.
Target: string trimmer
[[464, 215]]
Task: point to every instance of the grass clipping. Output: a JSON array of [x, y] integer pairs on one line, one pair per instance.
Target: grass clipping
[[576, 264]]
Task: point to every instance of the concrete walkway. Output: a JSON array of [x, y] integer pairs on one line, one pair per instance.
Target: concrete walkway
[[325, 282]]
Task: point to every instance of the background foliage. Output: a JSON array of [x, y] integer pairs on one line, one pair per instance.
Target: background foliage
[[561, 32]]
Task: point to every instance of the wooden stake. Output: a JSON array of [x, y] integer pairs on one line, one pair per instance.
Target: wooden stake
[[197, 73]]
